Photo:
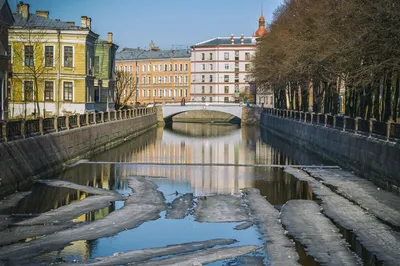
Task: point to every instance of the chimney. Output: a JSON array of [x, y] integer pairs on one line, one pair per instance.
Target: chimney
[[42, 13], [84, 22], [89, 23], [242, 39], [110, 37], [233, 39], [71, 23], [23, 9]]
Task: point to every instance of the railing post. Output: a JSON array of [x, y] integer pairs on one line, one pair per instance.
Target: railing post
[[389, 123], [344, 123], [371, 126], [4, 131], [115, 114], [356, 124], [102, 117], [87, 118], [326, 120], [120, 114], [334, 121], [78, 120], [56, 123], [67, 121], [23, 128], [312, 117], [41, 125]]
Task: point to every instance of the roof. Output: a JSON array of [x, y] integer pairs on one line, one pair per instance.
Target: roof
[[138, 54], [6, 16], [39, 22], [226, 41]]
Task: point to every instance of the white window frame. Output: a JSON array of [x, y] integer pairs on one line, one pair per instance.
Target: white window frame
[[33, 89], [73, 55], [73, 90], [44, 89], [44, 55]]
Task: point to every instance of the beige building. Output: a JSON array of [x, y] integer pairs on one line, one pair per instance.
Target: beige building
[[162, 75]]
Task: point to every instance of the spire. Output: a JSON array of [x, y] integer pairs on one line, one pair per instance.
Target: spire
[[262, 31]]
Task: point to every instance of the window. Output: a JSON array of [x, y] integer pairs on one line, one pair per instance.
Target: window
[[49, 56], [186, 67], [180, 67], [144, 80], [176, 79], [203, 66], [155, 93], [211, 56], [180, 79], [144, 93], [176, 67], [211, 67], [236, 77], [68, 91], [161, 93], [165, 79], [203, 56], [226, 89], [186, 79], [9, 52], [165, 67], [160, 68], [226, 99], [226, 56], [186, 92], [160, 80], [155, 68], [120, 68], [203, 99], [203, 89], [226, 66], [247, 67], [211, 99], [247, 56], [175, 92], [68, 56], [148, 68], [29, 55], [149, 80], [28, 91], [96, 64], [203, 78], [170, 79], [211, 78], [226, 78], [246, 77], [170, 67], [170, 93], [126, 69], [211, 89], [180, 93], [144, 68], [48, 90], [149, 93], [236, 55]]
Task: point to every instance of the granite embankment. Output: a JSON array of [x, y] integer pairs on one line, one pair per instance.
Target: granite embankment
[[42, 156], [373, 158]]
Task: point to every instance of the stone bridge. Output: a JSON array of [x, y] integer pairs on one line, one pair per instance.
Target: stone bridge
[[246, 114]]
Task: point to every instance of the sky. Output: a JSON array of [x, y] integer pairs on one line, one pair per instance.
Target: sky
[[171, 24]]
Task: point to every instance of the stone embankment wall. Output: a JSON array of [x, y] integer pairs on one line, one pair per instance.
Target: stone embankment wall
[[373, 158], [41, 156]]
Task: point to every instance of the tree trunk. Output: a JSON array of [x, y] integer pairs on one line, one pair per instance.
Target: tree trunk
[[396, 98], [376, 101], [388, 98]]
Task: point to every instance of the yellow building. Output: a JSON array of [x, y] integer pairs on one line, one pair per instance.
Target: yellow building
[[162, 75], [52, 65]]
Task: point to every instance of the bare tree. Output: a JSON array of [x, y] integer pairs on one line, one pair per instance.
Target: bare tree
[[32, 62], [125, 88]]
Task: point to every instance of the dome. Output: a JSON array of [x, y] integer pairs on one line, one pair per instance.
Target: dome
[[262, 30]]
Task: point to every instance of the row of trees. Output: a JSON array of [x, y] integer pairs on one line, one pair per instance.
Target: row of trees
[[333, 56]]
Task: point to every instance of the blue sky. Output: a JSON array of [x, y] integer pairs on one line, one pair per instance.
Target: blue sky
[[169, 23]]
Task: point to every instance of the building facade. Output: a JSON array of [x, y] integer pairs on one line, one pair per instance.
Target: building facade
[[159, 75], [221, 69], [6, 20], [104, 64], [53, 65]]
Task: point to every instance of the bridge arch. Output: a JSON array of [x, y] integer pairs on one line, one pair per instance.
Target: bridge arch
[[171, 110]]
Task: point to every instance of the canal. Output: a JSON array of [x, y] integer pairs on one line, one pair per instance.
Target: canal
[[164, 149]]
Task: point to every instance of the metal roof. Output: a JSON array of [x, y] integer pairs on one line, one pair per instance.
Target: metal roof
[[226, 41], [138, 54], [35, 21]]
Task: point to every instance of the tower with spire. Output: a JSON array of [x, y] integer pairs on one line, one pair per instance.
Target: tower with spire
[[262, 30]]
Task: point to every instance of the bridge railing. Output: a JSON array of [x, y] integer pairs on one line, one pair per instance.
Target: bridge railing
[[370, 128], [19, 129]]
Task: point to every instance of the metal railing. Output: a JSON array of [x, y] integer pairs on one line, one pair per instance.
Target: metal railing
[[371, 128], [14, 130]]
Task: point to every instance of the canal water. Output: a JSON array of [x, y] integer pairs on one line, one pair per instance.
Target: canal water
[[178, 143]]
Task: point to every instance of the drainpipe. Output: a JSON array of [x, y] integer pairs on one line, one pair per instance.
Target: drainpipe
[[58, 72]]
